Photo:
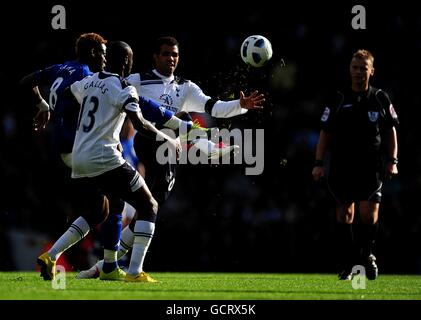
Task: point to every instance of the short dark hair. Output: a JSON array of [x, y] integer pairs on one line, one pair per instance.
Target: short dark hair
[[168, 40], [88, 41], [116, 52], [365, 55]]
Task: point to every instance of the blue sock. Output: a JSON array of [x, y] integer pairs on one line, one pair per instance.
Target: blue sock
[[111, 231]]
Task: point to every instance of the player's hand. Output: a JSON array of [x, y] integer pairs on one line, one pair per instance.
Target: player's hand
[[176, 145], [318, 172], [41, 120], [253, 101], [391, 170]]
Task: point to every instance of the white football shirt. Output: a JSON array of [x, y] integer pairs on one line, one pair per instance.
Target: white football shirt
[[103, 98], [176, 94]]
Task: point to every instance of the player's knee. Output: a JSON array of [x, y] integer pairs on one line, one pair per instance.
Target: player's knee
[[149, 205], [152, 210], [147, 210]]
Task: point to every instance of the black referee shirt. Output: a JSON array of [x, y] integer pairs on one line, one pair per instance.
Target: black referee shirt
[[356, 121]]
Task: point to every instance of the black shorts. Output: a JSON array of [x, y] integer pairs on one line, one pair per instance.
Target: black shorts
[[118, 185], [160, 178], [348, 184]]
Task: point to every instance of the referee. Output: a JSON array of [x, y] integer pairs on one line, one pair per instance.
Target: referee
[[358, 129]]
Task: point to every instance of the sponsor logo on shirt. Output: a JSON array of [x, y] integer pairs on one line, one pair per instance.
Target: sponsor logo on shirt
[[373, 116], [166, 99]]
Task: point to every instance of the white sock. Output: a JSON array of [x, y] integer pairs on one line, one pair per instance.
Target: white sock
[[173, 123], [126, 243], [143, 233], [98, 265], [76, 232], [204, 145], [110, 255]]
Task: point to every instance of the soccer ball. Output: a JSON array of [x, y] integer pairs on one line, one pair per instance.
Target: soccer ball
[[256, 51]]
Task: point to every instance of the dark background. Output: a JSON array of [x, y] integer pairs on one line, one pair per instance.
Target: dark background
[[218, 219]]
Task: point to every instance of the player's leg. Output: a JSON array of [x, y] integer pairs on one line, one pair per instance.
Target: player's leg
[[95, 210], [370, 196], [195, 137], [144, 228], [342, 185], [161, 179], [111, 232], [127, 235], [369, 211], [118, 184], [126, 243], [126, 183], [345, 239], [199, 138]]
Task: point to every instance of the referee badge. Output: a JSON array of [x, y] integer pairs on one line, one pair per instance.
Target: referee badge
[[325, 115], [373, 116]]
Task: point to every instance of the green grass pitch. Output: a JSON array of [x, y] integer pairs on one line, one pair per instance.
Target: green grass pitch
[[212, 286]]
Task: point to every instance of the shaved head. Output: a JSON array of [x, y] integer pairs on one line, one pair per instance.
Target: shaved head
[[119, 55]]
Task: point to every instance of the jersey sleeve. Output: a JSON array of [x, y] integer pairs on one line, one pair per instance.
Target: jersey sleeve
[[326, 119], [153, 112], [45, 76], [388, 111], [77, 90], [128, 99], [134, 80], [332, 102], [197, 101], [227, 109]]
